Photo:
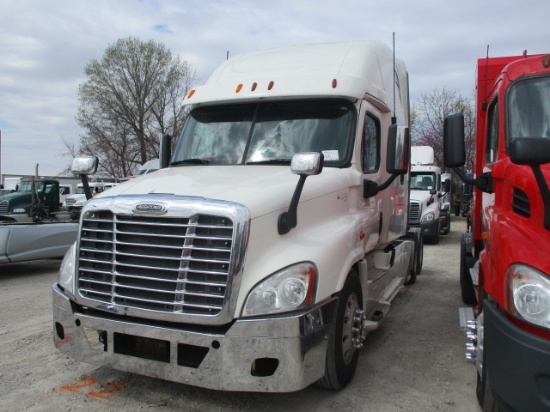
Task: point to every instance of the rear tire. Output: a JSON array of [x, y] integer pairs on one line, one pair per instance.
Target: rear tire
[[341, 359]]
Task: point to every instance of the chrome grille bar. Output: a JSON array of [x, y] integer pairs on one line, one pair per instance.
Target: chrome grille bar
[[160, 265]]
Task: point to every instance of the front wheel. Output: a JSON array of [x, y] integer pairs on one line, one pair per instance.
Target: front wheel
[[342, 355], [447, 228], [467, 288]]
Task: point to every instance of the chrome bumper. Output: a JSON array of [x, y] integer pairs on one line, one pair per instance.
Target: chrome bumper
[[277, 354]]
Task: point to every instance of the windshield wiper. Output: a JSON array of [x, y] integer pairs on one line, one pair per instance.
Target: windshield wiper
[[270, 162], [195, 161]]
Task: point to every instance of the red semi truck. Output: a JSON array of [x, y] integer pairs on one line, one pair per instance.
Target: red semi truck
[[505, 254]]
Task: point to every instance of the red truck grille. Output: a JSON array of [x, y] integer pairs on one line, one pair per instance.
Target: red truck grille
[[161, 264]]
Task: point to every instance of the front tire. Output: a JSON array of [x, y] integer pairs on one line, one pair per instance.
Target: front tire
[[467, 289], [447, 228], [341, 359]]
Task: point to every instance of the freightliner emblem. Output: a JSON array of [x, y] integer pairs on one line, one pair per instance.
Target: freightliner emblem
[[149, 208]]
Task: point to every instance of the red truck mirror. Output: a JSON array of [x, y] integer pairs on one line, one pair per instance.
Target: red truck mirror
[[453, 141], [531, 151]]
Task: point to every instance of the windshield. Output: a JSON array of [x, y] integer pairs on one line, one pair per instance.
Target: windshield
[[267, 133], [26, 186], [422, 181], [529, 108]]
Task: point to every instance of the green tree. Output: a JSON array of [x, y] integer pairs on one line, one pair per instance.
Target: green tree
[[429, 114], [132, 96]]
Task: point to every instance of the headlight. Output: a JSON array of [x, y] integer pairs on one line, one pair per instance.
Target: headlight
[[529, 294], [66, 271], [428, 217], [291, 288], [19, 210]]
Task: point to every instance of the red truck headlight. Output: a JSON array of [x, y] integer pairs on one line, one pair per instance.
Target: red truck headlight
[[529, 294]]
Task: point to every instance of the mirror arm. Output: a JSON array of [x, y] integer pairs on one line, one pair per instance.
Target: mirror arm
[[371, 189], [545, 193], [86, 186], [483, 182], [288, 220]]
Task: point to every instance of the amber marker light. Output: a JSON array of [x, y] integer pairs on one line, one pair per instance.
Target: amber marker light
[[361, 235], [239, 88], [191, 93], [485, 235]]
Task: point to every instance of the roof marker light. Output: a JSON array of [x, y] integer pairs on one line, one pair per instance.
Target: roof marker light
[[334, 83], [191, 93], [239, 88], [546, 60], [270, 85], [254, 85]]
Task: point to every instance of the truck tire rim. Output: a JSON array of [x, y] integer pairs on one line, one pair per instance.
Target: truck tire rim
[[348, 334]]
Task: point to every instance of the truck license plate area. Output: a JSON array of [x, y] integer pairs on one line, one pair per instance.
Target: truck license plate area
[[140, 347]]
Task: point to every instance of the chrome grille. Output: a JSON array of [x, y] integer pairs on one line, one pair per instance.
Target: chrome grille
[[162, 264], [414, 212], [4, 206], [70, 201]]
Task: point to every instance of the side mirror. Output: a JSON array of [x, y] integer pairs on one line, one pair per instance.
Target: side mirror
[[398, 152], [85, 165], [304, 165], [453, 141], [531, 151]]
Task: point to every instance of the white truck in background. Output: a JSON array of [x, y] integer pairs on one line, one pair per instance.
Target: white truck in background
[[74, 203], [425, 207], [269, 243]]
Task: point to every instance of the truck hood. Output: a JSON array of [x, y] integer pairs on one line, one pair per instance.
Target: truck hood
[[262, 189], [421, 196]]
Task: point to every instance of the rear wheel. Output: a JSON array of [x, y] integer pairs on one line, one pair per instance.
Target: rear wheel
[[341, 360]]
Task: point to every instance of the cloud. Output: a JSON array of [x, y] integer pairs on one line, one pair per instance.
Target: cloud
[[46, 45]]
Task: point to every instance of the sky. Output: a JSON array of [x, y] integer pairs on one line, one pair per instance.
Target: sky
[[46, 44]]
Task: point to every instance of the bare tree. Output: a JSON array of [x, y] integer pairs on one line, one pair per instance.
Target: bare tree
[[132, 96], [429, 114]]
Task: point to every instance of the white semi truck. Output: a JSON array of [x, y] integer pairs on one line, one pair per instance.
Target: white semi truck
[[426, 209], [269, 243]]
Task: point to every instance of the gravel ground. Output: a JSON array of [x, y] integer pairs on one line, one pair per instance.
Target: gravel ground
[[413, 362]]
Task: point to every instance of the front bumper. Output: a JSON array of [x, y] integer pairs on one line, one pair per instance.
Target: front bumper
[[277, 354], [518, 363]]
